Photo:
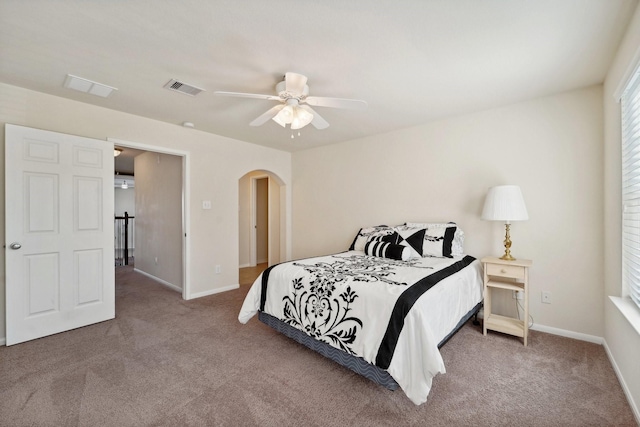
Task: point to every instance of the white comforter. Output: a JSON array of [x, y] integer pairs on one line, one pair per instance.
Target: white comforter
[[347, 300]]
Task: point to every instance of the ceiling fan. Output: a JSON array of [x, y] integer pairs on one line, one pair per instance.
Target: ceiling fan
[[294, 108]]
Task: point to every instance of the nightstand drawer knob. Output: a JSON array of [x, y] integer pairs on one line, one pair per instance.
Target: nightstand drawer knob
[[503, 271]]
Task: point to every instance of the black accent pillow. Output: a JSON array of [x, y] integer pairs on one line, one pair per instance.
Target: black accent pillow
[[383, 249]]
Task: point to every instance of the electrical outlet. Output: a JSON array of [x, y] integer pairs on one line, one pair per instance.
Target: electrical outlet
[[218, 269], [518, 295], [156, 260], [546, 297]]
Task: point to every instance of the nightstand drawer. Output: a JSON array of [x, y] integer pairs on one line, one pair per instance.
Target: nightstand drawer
[[501, 270]]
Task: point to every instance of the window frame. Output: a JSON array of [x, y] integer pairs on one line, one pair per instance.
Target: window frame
[[630, 187]]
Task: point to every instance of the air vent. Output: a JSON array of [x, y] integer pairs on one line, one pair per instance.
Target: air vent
[[178, 86], [88, 86]]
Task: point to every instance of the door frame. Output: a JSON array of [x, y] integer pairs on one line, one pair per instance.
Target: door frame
[[253, 239], [186, 197]]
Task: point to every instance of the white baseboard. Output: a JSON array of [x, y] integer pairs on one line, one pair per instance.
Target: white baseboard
[[560, 332], [162, 282], [569, 334], [3, 341], [262, 261], [623, 384], [214, 291], [245, 265]]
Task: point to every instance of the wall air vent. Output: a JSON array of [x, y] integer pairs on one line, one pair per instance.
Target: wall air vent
[[181, 87]]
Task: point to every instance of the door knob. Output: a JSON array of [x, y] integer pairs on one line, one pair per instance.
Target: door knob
[[15, 245]]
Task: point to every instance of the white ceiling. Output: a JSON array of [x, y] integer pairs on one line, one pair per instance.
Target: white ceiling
[[412, 61]]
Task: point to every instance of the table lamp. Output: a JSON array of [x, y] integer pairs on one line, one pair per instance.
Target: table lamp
[[505, 203]]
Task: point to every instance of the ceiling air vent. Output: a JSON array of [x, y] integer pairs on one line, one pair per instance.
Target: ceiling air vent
[[178, 86]]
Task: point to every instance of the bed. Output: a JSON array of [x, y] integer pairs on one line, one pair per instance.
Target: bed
[[383, 308]]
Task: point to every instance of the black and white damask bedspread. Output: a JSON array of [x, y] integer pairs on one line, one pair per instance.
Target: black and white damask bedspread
[[391, 313]]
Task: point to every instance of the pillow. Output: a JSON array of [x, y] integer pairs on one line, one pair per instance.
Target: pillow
[[438, 241], [385, 233], [412, 238], [457, 245], [381, 249]]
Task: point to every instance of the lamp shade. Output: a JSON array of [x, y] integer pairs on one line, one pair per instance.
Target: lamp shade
[[505, 203]]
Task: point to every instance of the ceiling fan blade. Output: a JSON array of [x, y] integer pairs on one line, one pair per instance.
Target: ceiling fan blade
[[322, 101], [318, 122], [294, 82], [247, 95], [265, 117]]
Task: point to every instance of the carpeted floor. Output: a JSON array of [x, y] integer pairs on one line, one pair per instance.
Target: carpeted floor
[[168, 362]]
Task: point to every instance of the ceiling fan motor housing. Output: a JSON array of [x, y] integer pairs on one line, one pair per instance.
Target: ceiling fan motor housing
[[281, 89]]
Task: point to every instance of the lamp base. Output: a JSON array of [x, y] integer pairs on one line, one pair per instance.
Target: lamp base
[[507, 245]]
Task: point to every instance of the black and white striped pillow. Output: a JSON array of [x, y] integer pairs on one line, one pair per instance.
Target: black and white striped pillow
[[382, 249], [385, 233]]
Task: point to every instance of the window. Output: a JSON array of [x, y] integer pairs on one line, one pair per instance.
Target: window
[[630, 104]]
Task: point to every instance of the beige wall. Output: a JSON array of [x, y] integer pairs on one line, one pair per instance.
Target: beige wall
[[441, 171], [244, 221], [158, 222], [622, 340], [216, 165]]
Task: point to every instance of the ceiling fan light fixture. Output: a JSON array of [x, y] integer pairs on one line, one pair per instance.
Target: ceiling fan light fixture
[[301, 118], [294, 106], [284, 116], [279, 120]]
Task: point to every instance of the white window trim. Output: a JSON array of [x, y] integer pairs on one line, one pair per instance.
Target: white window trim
[[630, 180], [629, 310]]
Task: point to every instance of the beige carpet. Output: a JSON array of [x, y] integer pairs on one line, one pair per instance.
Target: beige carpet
[[168, 362]]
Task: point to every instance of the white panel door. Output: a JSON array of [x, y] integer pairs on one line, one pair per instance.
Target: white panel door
[[59, 232]]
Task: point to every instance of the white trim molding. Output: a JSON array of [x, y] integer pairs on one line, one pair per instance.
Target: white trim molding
[[214, 291], [569, 334], [162, 282], [623, 384], [629, 310]]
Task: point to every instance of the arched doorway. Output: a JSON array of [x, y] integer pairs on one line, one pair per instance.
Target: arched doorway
[[261, 230]]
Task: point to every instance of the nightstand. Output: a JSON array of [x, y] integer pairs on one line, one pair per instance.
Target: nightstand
[[513, 276]]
